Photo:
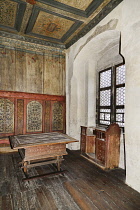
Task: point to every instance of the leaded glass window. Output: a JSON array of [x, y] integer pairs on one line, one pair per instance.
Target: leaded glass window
[[111, 99], [120, 95]]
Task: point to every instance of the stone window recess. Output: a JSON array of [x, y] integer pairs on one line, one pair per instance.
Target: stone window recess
[[111, 96]]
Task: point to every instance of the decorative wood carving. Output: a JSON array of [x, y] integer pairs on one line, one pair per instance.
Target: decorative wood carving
[[22, 113], [6, 116], [57, 113], [34, 116]]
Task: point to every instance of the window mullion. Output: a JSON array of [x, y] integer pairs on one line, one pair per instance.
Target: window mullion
[[113, 94]]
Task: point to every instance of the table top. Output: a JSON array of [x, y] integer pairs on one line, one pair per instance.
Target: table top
[[29, 140]]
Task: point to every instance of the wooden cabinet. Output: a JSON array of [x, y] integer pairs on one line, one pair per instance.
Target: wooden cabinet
[[87, 140], [105, 148]]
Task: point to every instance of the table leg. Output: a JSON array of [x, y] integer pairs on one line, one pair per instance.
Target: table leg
[[25, 167], [58, 163]]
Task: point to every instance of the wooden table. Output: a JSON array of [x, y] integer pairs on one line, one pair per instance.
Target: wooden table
[[41, 149]]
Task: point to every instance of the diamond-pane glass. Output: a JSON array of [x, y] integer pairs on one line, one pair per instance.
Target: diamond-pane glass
[[119, 117], [105, 122], [102, 116], [105, 110], [119, 110], [105, 79], [120, 74], [120, 124], [105, 96], [107, 116], [120, 96]]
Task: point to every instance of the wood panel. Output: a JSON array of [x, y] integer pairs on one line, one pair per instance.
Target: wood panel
[[100, 150], [90, 144], [21, 73], [27, 121], [54, 72], [20, 116], [45, 151], [57, 116], [7, 69], [34, 73], [47, 115]]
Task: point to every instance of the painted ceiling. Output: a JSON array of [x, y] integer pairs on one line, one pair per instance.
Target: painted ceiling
[[57, 23]]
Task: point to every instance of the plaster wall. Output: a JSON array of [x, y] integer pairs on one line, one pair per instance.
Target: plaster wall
[[97, 50]]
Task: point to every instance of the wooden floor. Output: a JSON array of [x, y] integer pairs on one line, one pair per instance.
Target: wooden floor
[[84, 186]]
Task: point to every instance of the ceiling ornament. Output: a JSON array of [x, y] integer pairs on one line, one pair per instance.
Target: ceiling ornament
[[31, 2]]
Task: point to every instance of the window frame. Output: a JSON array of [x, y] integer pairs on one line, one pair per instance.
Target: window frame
[[113, 106]]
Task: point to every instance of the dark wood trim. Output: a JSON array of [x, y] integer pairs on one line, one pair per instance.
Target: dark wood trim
[[25, 95], [20, 14], [64, 7]]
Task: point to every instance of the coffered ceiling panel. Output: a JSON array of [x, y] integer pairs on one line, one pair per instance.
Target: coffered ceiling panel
[[79, 4], [11, 14], [50, 25], [57, 23]]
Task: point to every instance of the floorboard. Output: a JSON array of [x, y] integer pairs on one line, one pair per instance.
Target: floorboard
[[84, 186]]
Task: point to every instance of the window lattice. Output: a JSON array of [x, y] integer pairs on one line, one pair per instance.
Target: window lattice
[[120, 74], [120, 117], [120, 96], [119, 110], [105, 97], [105, 116], [105, 122], [105, 110], [105, 79], [112, 95]]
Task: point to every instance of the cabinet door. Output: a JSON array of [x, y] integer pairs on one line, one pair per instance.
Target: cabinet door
[[83, 143], [100, 150], [90, 144]]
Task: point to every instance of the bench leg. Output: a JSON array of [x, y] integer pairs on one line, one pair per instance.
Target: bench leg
[[25, 167], [58, 163]]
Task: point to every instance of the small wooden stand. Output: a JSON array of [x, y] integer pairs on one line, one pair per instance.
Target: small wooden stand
[[103, 148]]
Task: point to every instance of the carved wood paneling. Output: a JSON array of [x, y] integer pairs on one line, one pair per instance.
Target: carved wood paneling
[[6, 116], [34, 117], [57, 116], [22, 113]]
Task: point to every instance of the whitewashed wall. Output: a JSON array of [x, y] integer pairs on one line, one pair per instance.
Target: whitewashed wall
[[98, 50]]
